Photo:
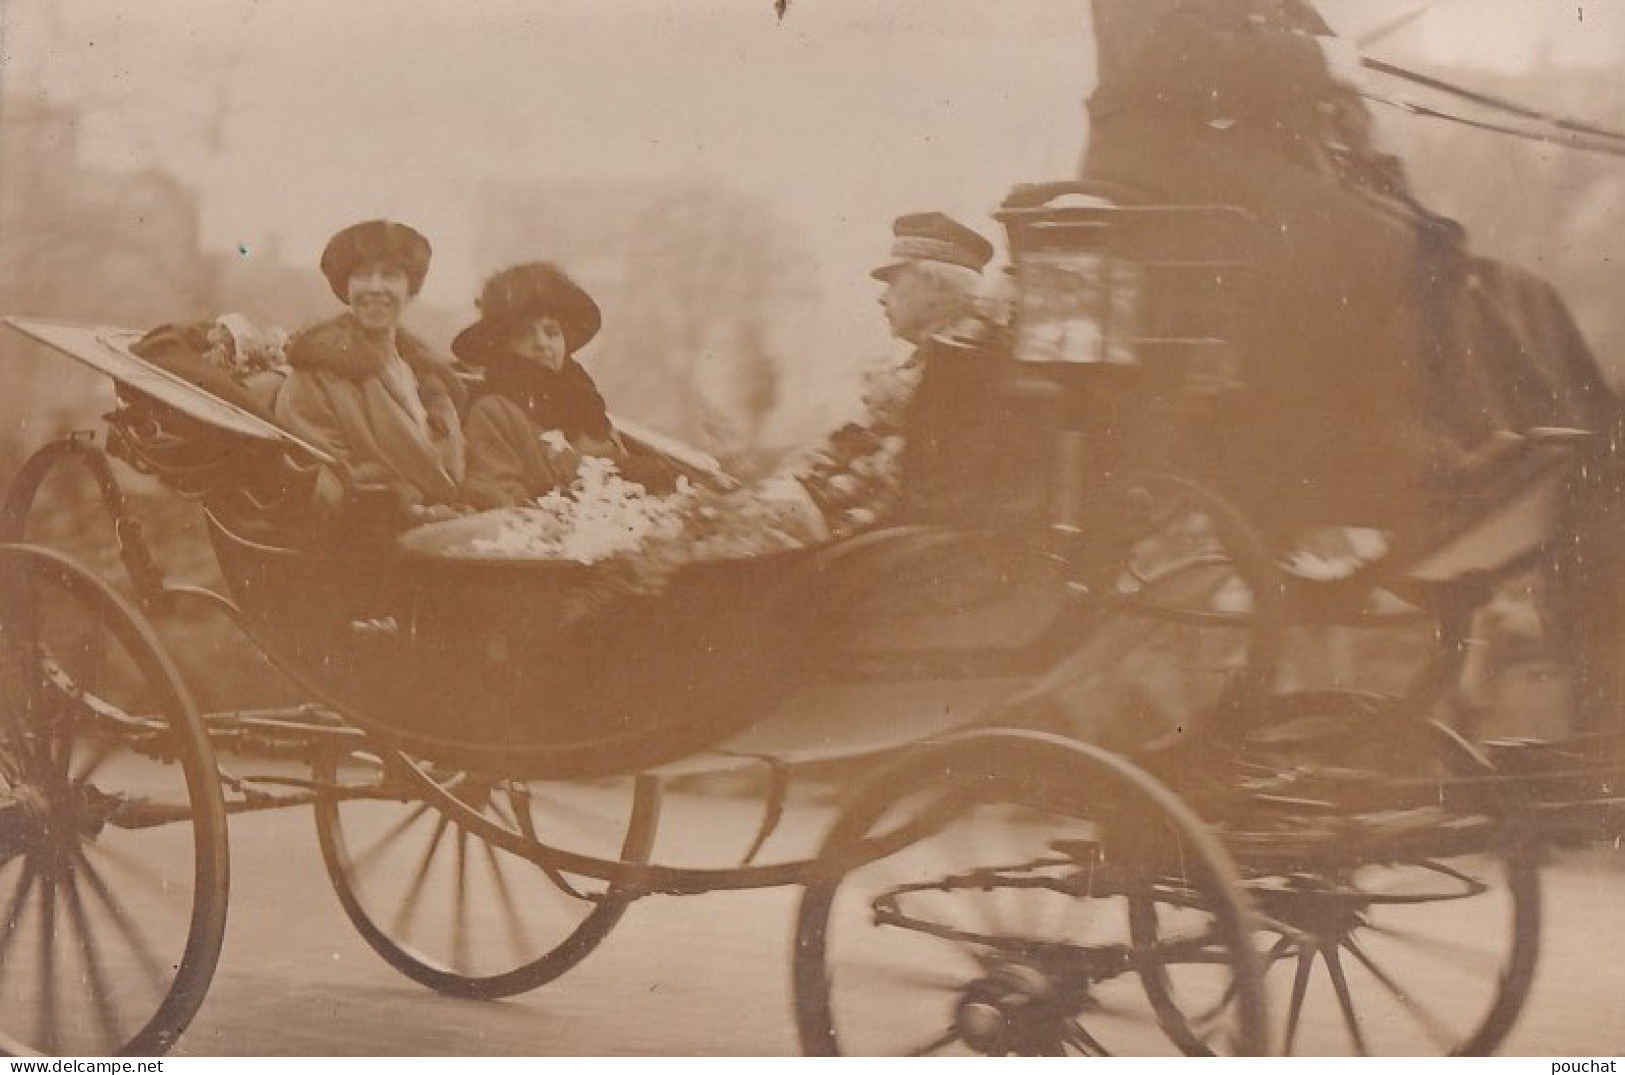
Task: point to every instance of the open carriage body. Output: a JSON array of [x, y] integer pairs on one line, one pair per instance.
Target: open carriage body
[[448, 689]]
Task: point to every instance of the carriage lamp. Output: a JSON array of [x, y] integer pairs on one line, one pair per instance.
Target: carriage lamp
[[1075, 307], [1076, 320], [1124, 314], [1077, 282]]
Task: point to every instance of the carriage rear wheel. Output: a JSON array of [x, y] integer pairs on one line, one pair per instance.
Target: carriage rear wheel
[[975, 898], [1402, 916], [113, 858], [452, 910], [1425, 955]]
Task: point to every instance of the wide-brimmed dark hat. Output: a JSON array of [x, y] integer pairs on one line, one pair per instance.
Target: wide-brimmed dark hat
[[375, 240], [518, 294], [934, 237]]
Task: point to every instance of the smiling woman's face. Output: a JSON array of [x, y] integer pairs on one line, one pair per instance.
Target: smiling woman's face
[[378, 293]]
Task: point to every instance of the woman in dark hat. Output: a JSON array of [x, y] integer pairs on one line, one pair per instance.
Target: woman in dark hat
[[369, 391], [538, 410]]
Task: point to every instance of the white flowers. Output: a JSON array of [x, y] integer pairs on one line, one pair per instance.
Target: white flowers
[[600, 516], [241, 348], [604, 518]]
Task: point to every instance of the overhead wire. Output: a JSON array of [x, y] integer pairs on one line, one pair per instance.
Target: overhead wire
[[1533, 124]]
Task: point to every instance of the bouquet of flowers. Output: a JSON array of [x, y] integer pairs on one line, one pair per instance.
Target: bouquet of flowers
[[242, 349], [640, 538]]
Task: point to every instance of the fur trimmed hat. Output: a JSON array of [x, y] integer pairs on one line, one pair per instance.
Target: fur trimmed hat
[[375, 240], [522, 292]]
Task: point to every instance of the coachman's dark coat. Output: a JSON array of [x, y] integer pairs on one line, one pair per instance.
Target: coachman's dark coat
[[1383, 356]]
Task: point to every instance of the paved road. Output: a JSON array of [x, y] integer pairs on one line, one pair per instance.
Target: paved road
[[697, 975]]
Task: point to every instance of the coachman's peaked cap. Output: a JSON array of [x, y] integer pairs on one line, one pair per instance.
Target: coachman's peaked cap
[[375, 240], [934, 237]]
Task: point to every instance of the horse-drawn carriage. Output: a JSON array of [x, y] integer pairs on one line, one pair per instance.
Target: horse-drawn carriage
[[992, 884]]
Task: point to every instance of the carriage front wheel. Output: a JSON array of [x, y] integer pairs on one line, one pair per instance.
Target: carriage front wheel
[[980, 898], [113, 860], [1395, 881]]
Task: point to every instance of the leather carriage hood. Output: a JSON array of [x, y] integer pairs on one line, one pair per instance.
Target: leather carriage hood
[[339, 346]]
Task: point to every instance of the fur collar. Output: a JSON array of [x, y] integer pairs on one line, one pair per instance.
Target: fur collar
[[567, 400], [339, 346]]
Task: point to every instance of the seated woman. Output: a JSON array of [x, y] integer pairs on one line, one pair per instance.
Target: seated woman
[[370, 392], [538, 411]]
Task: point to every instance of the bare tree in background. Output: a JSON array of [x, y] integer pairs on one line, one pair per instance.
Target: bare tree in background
[[701, 287], [705, 273]]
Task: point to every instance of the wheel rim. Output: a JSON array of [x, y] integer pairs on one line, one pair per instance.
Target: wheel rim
[[999, 922], [450, 910], [113, 863]]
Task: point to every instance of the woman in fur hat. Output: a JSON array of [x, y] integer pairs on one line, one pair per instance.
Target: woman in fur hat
[[538, 411], [369, 391]]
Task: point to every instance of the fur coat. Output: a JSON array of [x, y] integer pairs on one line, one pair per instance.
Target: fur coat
[[337, 397]]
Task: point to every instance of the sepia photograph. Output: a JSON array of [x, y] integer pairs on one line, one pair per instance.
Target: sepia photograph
[[598, 528]]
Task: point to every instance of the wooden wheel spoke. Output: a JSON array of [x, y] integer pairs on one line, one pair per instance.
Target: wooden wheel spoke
[[1300, 990], [460, 908], [386, 840], [502, 808], [46, 1017], [1345, 999], [155, 967], [1278, 951], [132, 866], [101, 991], [515, 925], [412, 898], [556, 808], [1439, 948], [891, 974], [1086, 1042], [935, 1045], [16, 906], [1442, 1035]]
